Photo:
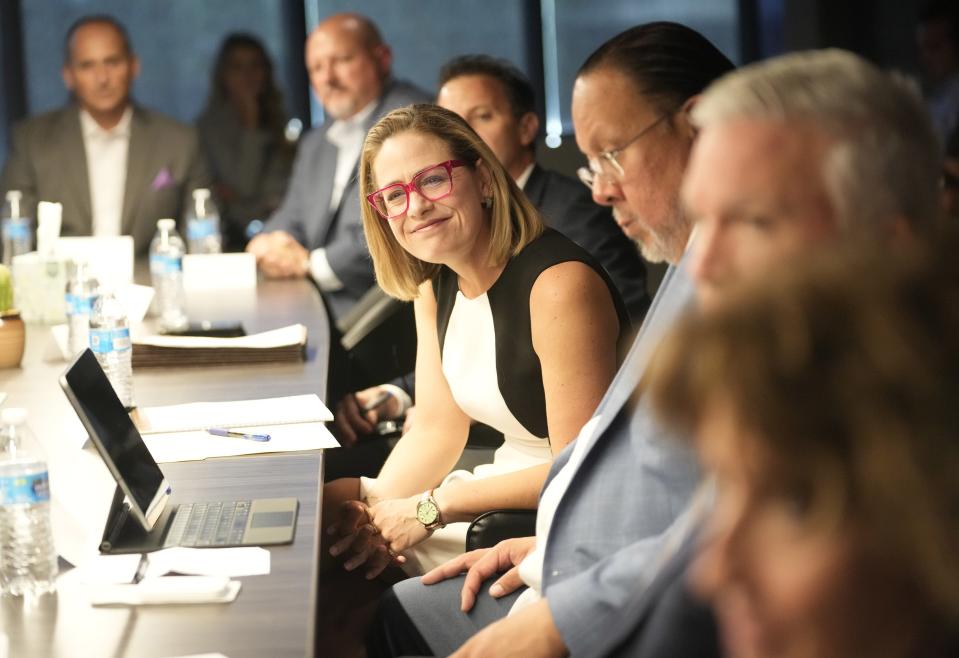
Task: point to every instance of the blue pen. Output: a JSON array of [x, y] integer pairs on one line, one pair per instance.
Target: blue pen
[[219, 431]]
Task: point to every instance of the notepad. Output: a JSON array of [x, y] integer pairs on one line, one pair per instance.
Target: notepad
[[196, 416], [277, 345], [196, 446]]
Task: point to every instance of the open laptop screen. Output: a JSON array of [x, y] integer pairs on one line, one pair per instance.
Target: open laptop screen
[[105, 419]]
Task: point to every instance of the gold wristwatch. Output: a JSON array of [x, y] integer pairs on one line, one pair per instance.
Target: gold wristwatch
[[428, 512]]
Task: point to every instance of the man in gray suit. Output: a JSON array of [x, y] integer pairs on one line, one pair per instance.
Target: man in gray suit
[[616, 490], [317, 230], [116, 167]]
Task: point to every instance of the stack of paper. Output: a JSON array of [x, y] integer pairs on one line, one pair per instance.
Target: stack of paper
[[286, 344], [177, 433]]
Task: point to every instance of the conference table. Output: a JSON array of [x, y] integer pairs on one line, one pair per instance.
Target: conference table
[[274, 615]]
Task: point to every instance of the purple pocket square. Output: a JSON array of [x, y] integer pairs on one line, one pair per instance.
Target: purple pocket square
[[163, 179]]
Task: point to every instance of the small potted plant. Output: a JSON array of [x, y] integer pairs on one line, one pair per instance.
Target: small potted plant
[[11, 325]]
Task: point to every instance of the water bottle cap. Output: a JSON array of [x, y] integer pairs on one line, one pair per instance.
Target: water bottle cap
[[13, 416], [166, 224], [14, 195], [201, 193]]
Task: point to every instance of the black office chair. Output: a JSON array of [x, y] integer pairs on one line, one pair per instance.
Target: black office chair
[[374, 342], [490, 528]]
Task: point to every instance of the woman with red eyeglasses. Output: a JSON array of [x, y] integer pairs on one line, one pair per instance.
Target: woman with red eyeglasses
[[517, 328]]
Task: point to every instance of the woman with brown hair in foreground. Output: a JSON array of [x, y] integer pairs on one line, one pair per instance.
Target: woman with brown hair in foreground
[[824, 405]]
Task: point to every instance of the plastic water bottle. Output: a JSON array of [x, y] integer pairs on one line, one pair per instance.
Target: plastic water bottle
[[203, 225], [28, 559], [17, 230], [110, 342], [166, 270], [82, 291]]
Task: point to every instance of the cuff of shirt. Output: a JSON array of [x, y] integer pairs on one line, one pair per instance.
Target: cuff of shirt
[[321, 271], [402, 396]]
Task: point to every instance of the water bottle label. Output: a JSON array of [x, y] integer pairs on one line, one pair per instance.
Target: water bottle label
[[161, 264], [16, 228], [200, 228], [25, 489], [80, 305], [103, 341]]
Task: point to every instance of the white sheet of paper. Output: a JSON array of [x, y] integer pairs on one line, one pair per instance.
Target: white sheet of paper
[[110, 258], [233, 562], [294, 334], [169, 590], [233, 414], [218, 271], [198, 445]]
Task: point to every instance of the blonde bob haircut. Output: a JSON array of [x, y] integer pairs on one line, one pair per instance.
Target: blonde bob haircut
[[514, 222]]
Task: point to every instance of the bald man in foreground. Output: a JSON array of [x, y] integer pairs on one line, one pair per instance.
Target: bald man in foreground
[[317, 230]]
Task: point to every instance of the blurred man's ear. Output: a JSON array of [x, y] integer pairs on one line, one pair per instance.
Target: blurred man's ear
[[684, 119], [68, 80], [528, 128], [384, 58]]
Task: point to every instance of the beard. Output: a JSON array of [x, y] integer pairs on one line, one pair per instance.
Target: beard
[[667, 242]]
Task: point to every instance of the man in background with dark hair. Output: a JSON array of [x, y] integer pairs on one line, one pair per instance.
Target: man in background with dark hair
[[116, 167], [498, 102], [615, 491], [938, 38]]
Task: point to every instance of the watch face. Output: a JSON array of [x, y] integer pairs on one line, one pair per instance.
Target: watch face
[[427, 512]]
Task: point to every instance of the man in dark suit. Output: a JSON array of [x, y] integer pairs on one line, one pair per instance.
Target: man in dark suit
[[317, 230], [498, 102], [116, 167]]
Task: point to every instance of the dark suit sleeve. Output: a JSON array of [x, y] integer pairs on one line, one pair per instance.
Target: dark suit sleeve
[[18, 171], [618, 255]]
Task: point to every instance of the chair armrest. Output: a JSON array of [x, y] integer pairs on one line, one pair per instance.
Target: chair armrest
[[490, 528]]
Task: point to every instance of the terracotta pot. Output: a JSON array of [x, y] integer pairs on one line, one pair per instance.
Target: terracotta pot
[[11, 340]]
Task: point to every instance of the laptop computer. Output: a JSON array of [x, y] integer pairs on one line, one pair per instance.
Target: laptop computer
[[140, 518]]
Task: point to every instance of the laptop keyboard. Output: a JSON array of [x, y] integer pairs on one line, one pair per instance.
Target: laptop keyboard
[[209, 524]]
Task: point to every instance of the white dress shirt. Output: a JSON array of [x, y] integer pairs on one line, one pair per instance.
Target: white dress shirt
[[524, 177], [107, 170], [347, 136]]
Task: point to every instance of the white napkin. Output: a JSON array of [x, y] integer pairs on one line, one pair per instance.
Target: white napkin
[[168, 590]]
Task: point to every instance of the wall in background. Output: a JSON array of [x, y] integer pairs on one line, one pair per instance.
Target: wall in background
[[176, 43]]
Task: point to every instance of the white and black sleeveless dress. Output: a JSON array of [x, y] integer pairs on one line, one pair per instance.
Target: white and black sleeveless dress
[[493, 372]]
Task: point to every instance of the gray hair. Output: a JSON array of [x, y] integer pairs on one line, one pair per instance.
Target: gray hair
[[885, 160]]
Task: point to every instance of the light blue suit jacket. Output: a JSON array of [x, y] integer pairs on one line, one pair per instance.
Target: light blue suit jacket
[[633, 482]]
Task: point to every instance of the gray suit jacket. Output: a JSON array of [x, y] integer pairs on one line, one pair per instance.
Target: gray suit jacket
[[633, 482], [306, 214], [566, 205], [47, 162]]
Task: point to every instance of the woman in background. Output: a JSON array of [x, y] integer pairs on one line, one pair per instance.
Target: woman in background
[[824, 405], [242, 133]]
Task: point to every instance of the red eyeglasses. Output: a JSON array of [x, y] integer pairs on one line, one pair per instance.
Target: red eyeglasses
[[433, 183]]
